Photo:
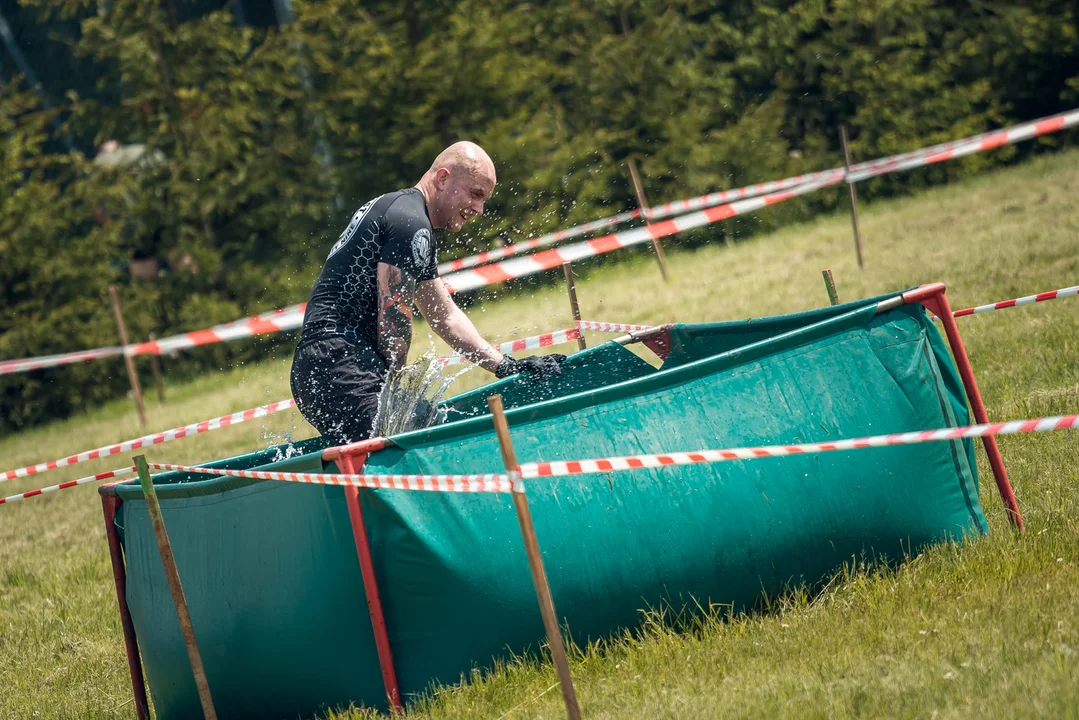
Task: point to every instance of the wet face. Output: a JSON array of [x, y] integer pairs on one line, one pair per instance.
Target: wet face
[[461, 196]]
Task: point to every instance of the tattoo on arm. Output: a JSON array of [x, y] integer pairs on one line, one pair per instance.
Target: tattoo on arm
[[453, 326], [395, 292]]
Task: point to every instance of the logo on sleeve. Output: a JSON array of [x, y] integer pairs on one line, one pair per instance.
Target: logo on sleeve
[[353, 225], [421, 247]]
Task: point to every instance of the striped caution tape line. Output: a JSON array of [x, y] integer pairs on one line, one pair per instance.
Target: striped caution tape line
[[541, 241], [634, 462], [663, 211], [48, 361], [872, 168], [289, 318], [273, 321], [859, 171], [530, 343], [488, 482], [678, 207], [611, 327], [1019, 302], [503, 483], [535, 342], [970, 146], [1067, 292], [65, 485], [292, 317], [519, 267], [153, 439]]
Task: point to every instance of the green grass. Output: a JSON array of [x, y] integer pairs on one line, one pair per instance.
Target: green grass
[[987, 627]]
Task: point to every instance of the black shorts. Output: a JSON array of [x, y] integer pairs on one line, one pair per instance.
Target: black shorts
[[336, 384]]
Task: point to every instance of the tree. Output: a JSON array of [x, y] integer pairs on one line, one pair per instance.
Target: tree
[[249, 135]]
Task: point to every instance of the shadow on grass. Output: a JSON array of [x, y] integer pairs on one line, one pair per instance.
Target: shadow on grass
[[512, 684]]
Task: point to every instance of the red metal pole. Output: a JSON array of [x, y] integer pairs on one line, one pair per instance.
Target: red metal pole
[[352, 464], [360, 450], [109, 504], [935, 298]]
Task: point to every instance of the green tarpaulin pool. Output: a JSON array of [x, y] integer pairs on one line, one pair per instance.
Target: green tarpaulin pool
[[270, 568]]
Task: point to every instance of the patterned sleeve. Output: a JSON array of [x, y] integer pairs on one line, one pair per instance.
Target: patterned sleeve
[[408, 242]]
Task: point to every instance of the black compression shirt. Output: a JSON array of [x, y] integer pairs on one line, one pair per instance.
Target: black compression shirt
[[393, 229]]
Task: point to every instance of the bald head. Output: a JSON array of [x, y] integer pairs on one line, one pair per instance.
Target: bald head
[[467, 156], [459, 182]]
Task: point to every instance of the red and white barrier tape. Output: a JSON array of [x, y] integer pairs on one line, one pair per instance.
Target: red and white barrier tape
[[488, 482], [634, 462], [519, 267], [971, 145], [677, 207], [288, 318], [611, 327], [273, 321], [549, 239], [530, 343], [560, 336], [1072, 291], [65, 485], [48, 361], [292, 317], [153, 439], [869, 168], [672, 208], [269, 315], [1019, 302], [503, 483]]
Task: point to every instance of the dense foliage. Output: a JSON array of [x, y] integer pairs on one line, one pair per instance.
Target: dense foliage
[[261, 141]]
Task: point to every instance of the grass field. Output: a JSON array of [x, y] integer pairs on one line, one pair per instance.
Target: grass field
[[990, 627]]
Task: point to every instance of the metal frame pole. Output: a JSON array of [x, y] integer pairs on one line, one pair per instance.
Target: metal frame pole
[[352, 464], [109, 505], [935, 299], [535, 560]]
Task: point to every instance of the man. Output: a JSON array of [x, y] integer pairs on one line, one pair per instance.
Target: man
[[358, 323]]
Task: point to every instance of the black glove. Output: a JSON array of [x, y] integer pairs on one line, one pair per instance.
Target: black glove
[[538, 366]]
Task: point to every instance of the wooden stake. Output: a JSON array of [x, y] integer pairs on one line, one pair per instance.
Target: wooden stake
[[535, 560], [853, 196], [829, 284], [177, 591], [129, 361], [567, 270], [159, 382], [642, 205]]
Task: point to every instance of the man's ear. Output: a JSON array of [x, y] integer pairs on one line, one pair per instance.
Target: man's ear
[[442, 176]]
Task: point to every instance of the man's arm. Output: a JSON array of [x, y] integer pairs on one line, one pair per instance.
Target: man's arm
[[453, 326], [395, 292]]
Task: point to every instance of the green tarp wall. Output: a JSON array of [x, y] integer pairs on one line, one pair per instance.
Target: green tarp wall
[[271, 573]]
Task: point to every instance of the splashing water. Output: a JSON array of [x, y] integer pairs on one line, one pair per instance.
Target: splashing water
[[285, 445], [409, 399], [283, 441]]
